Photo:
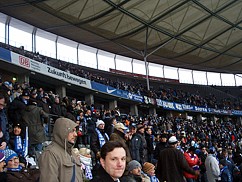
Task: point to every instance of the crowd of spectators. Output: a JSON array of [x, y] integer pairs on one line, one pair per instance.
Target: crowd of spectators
[[22, 105], [137, 86]]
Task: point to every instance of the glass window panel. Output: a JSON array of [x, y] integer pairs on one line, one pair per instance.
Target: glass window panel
[[200, 77], [2, 32], [87, 56], [214, 79], [124, 64], [238, 78], [170, 72], [105, 60], [185, 76], [155, 70], [139, 67], [45, 46], [3, 18], [19, 38], [227, 79], [66, 53]]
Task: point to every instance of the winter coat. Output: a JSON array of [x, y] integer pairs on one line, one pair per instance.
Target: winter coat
[[193, 162], [3, 177], [150, 144], [23, 175], [57, 161], [171, 165], [159, 147], [32, 117], [119, 136], [90, 124], [131, 178], [56, 109], [95, 143], [226, 175], [212, 168], [15, 110], [138, 148], [102, 176], [4, 125]]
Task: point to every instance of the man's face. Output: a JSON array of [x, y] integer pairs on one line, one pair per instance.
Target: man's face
[[163, 139], [142, 130], [2, 103], [136, 171], [57, 100], [115, 163], [72, 136], [89, 112]]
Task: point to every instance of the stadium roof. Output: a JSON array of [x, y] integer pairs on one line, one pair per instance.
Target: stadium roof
[[194, 34]]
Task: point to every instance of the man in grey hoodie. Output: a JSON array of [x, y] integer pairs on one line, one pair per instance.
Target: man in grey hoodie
[[57, 162]]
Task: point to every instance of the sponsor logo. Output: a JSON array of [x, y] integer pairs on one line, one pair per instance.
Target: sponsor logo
[[24, 61], [110, 90]]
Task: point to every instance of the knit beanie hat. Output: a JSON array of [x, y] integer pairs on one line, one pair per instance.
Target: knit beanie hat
[[147, 167], [2, 157], [99, 122], [9, 154], [133, 165]]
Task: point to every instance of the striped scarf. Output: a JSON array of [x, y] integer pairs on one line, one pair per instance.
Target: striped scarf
[[101, 138]]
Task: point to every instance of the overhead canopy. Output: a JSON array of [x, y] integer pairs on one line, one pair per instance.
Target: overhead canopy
[[202, 35]]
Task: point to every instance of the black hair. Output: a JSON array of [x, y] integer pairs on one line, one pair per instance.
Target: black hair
[[109, 147]]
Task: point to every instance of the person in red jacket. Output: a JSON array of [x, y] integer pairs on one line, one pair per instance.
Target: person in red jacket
[[194, 162]]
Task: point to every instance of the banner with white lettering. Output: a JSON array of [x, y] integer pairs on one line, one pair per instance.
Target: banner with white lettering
[[49, 70]]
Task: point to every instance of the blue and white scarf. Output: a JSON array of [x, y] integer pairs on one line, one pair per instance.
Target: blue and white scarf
[[153, 179], [21, 146], [86, 165], [15, 169], [101, 138]]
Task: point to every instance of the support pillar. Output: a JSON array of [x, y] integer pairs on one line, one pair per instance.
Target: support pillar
[[61, 91], [23, 79], [169, 114], [89, 99], [113, 104], [239, 120], [152, 111], [134, 110], [199, 117], [185, 115]]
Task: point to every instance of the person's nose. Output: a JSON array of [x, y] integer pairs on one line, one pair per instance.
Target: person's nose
[[120, 162]]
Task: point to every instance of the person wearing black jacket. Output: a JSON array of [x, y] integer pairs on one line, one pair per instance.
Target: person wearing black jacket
[[161, 145], [150, 144], [172, 163], [16, 107], [98, 138], [113, 162]]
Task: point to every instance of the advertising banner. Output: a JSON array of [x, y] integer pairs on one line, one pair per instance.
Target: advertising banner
[[5, 54], [48, 70]]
